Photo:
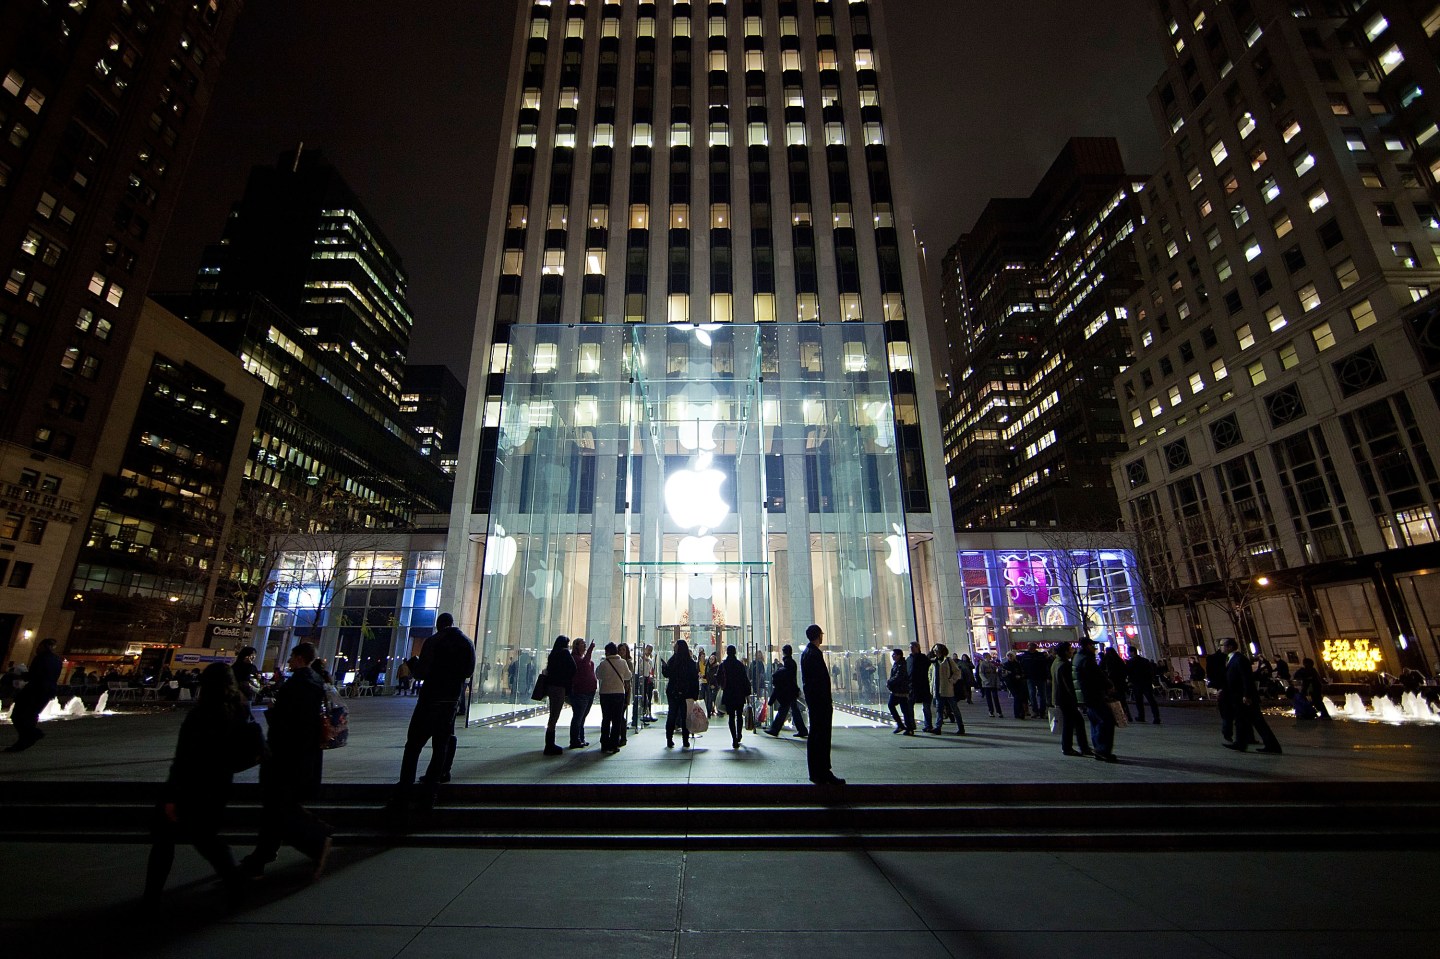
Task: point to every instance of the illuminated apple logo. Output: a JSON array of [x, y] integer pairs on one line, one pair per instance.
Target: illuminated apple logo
[[697, 550], [514, 425], [884, 423], [544, 582], [697, 418], [898, 561], [692, 498], [500, 551], [855, 582]]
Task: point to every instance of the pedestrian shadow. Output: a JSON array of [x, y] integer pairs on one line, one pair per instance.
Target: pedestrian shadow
[[186, 909]]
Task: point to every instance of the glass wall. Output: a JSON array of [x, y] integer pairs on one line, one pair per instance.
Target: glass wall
[[365, 608], [1017, 596], [719, 483]]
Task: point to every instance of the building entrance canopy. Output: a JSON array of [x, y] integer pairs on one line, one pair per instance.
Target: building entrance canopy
[[726, 480]]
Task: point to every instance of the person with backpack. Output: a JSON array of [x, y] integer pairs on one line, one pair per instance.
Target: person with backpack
[[737, 693], [787, 695], [1067, 703], [217, 739], [290, 775]]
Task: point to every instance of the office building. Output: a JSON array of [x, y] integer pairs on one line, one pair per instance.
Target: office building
[[434, 401], [1283, 401], [1035, 310], [100, 105], [701, 402]]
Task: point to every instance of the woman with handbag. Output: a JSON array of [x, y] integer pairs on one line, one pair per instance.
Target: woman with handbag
[[559, 675], [682, 683], [217, 739]]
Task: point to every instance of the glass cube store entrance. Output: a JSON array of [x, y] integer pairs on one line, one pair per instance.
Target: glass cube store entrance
[[723, 484]]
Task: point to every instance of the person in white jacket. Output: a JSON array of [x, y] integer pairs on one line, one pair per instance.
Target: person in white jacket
[[613, 673], [947, 675]]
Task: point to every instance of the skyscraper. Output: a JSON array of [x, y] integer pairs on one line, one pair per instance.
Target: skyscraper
[[1035, 311], [1283, 403], [100, 105], [305, 288], [701, 397]]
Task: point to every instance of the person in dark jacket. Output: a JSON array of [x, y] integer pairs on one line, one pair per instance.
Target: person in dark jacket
[[787, 695], [1115, 668], [40, 685], [559, 678], [1141, 673], [1215, 676], [447, 660], [1062, 691], [966, 684], [737, 693], [247, 674], [217, 739], [1312, 687], [582, 690], [291, 774], [919, 667], [1036, 666], [1012, 673], [682, 682], [902, 709], [1244, 694], [1095, 692], [815, 682]]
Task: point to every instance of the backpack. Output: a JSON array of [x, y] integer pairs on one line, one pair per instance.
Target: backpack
[[334, 725]]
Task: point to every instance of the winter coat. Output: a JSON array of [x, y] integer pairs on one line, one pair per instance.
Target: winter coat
[[899, 681], [989, 672], [446, 661], [787, 681], [613, 673], [947, 678], [919, 665], [737, 684], [560, 669], [684, 677]]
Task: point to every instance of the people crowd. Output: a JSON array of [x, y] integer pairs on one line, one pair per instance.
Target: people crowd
[[1085, 693]]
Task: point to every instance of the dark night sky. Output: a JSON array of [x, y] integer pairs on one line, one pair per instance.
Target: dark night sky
[[408, 109]]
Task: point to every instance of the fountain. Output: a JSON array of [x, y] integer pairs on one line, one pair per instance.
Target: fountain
[[74, 708], [1413, 708]]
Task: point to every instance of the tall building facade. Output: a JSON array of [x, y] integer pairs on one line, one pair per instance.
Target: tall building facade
[[100, 105], [306, 290], [701, 400], [1282, 407], [434, 401], [1035, 298]]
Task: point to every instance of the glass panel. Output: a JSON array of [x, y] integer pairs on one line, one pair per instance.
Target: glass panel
[[632, 505]]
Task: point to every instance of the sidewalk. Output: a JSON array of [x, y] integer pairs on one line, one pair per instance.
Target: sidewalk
[[1185, 748]]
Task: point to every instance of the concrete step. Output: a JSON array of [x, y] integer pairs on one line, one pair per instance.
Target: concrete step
[[1037, 816]]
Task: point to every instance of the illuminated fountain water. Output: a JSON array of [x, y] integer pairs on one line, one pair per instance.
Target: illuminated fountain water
[[1412, 708], [73, 709]]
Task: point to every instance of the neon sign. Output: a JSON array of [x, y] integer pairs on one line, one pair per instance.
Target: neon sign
[[1352, 655]]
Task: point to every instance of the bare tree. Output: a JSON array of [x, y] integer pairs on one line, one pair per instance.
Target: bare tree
[[1230, 547], [1082, 571], [1159, 577]]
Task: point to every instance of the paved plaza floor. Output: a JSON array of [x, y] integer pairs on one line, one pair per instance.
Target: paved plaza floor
[[81, 899], [1185, 747]]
